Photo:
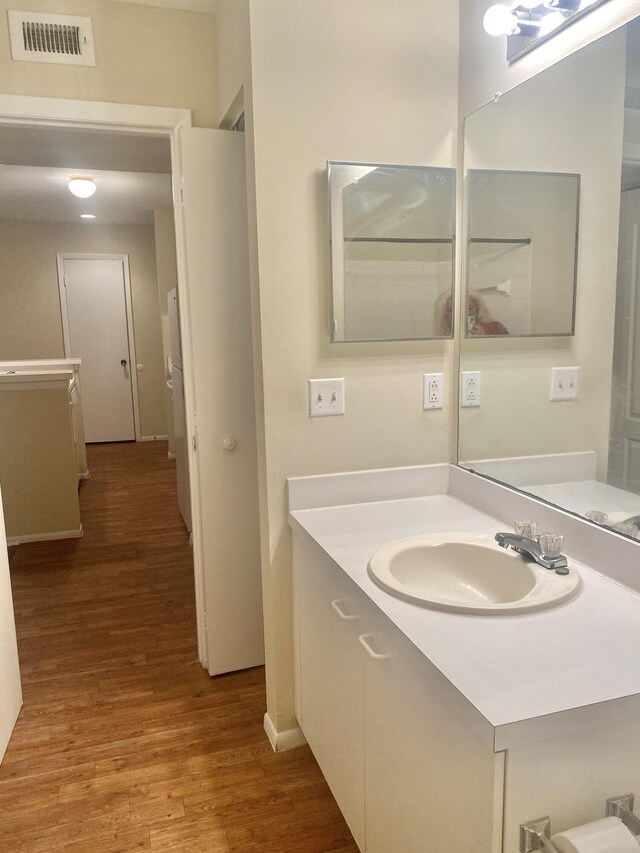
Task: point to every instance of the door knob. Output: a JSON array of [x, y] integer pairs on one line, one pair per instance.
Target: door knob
[[123, 362]]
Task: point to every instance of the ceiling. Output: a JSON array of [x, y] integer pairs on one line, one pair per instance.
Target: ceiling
[[132, 174]]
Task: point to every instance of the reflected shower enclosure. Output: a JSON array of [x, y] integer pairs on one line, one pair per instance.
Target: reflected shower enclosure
[[521, 253], [392, 251]]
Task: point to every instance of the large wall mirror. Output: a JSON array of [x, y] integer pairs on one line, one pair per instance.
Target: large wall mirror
[[392, 251], [570, 436]]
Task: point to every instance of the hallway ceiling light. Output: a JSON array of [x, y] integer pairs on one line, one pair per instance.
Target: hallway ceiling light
[[87, 216], [82, 186]]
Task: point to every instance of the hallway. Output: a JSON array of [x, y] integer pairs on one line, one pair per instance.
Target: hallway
[[124, 742]]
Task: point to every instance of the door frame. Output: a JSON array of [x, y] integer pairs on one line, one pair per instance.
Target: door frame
[[28, 111], [61, 257]]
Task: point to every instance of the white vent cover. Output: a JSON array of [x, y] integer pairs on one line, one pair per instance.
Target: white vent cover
[[64, 39]]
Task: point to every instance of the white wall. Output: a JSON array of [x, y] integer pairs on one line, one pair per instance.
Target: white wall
[[483, 66], [548, 124], [361, 81], [30, 321]]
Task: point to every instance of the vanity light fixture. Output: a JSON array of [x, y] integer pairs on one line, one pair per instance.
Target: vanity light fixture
[[527, 23], [82, 186]]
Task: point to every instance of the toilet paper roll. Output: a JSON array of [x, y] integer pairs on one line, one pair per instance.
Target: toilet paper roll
[[608, 835]]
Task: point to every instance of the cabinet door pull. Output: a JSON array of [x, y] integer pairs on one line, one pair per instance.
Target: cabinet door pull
[[336, 606], [375, 655]]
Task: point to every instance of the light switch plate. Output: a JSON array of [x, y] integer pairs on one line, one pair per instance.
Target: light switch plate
[[564, 383], [326, 397], [432, 391], [470, 388]]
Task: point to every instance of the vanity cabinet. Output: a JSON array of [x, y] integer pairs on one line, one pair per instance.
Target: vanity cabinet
[[442, 732], [407, 772]]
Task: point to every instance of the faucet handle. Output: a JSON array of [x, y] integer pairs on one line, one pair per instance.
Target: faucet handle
[[551, 545], [526, 528]]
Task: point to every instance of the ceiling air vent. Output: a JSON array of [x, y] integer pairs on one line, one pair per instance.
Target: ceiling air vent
[[64, 39]]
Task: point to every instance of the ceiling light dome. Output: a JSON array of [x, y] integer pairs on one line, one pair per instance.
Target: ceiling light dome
[[82, 186]]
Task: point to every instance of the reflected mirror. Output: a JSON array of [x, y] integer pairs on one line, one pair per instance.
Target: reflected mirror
[[392, 251], [559, 417], [521, 252]]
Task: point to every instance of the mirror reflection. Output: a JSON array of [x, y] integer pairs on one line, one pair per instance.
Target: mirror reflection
[[521, 252], [559, 417], [392, 251]]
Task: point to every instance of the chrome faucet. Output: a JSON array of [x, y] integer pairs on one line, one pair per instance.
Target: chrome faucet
[[531, 548]]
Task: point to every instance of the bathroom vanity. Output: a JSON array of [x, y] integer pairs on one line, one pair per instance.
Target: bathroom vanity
[[441, 731]]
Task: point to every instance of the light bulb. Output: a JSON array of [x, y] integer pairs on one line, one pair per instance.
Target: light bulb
[[529, 4], [499, 20], [82, 186], [551, 22]]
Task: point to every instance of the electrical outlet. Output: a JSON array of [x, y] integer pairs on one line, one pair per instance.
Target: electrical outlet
[[432, 391], [564, 383], [326, 397], [470, 388]]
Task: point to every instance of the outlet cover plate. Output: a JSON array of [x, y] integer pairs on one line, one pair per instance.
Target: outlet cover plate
[[470, 389], [432, 391], [564, 383], [326, 397]]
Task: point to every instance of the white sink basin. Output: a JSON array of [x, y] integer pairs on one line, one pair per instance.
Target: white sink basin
[[467, 573]]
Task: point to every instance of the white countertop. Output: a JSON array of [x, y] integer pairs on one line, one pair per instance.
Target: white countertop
[[530, 677], [35, 379]]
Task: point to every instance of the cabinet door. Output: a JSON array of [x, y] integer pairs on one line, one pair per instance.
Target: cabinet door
[[331, 670], [429, 778]]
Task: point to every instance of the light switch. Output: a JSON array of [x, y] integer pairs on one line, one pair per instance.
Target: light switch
[[432, 391], [326, 397], [564, 383], [470, 388]]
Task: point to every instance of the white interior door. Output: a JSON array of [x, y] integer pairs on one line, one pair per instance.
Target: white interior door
[[218, 359], [96, 317], [10, 689], [624, 454]]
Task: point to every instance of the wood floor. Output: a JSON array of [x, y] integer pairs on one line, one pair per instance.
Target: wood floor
[[124, 742]]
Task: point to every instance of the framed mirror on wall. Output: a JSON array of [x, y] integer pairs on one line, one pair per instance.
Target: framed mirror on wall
[[522, 245], [558, 415], [392, 240]]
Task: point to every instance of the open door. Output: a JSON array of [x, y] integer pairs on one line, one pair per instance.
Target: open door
[[218, 357], [10, 687], [624, 448]]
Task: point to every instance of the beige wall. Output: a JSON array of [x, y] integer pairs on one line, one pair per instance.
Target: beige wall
[[548, 124], [30, 322], [144, 55], [330, 80]]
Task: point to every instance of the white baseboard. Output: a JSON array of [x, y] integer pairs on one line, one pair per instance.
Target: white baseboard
[[171, 455], [282, 741], [154, 438], [84, 475], [45, 537]]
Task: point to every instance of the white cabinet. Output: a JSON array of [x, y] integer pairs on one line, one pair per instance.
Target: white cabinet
[[331, 686], [406, 771], [428, 777]]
